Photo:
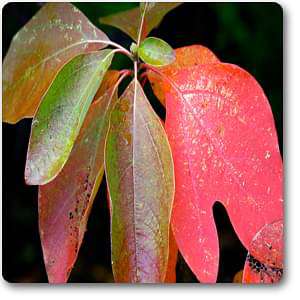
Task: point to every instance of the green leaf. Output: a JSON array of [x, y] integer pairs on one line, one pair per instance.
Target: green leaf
[[61, 114], [56, 34], [129, 21], [140, 177], [65, 202], [156, 52]]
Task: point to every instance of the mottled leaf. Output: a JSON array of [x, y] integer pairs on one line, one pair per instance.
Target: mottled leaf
[[173, 252], [156, 52], [57, 33], [264, 263], [65, 203], [185, 57], [129, 21], [61, 114], [224, 145], [139, 170]]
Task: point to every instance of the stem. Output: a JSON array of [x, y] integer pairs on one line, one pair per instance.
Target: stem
[[112, 90], [135, 70], [121, 49], [143, 78], [126, 71], [123, 74], [141, 26], [156, 71]]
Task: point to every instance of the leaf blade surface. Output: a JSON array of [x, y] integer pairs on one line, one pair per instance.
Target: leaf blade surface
[[156, 52], [56, 34], [216, 113], [185, 57], [264, 263], [129, 21], [65, 203], [139, 170], [61, 114]]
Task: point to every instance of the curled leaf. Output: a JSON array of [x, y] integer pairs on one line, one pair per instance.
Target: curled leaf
[[156, 52], [139, 171], [130, 21], [56, 34], [65, 202], [61, 114]]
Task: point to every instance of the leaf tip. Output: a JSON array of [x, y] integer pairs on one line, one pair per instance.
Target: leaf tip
[[32, 176]]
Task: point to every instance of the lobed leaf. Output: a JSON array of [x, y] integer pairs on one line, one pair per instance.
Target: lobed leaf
[[216, 113], [61, 114], [65, 203], [139, 170], [156, 52], [56, 34], [264, 263], [185, 57], [129, 21]]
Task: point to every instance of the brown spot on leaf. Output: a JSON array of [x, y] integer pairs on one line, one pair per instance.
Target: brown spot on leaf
[[124, 105], [221, 130], [127, 137]]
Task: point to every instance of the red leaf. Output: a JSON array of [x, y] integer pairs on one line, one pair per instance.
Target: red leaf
[[224, 145], [264, 263], [65, 202], [185, 57]]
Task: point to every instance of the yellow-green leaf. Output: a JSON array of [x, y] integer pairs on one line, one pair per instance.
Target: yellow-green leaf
[[61, 114], [156, 52], [140, 176], [56, 34], [65, 202]]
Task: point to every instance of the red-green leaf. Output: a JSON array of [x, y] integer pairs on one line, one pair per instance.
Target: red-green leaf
[[224, 145], [61, 114], [129, 21], [264, 263], [173, 252], [65, 203], [139, 170], [57, 33], [185, 57]]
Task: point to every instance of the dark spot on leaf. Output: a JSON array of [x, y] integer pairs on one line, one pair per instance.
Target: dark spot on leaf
[[274, 274]]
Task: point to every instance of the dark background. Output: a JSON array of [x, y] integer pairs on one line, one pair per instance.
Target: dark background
[[247, 34]]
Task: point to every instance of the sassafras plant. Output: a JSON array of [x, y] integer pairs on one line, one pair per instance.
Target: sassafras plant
[[218, 143]]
